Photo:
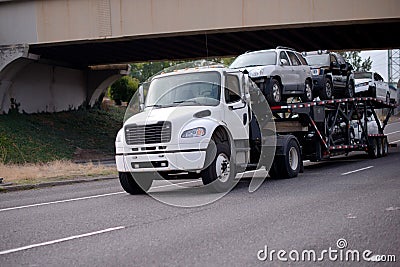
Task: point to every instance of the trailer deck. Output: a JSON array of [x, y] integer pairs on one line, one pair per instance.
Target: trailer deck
[[332, 127]]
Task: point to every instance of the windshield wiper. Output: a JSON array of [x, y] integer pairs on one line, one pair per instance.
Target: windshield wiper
[[186, 101], [155, 106]]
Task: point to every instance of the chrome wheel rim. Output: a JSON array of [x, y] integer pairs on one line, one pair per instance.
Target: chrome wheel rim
[[308, 92], [293, 158], [328, 90], [276, 93], [222, 167]]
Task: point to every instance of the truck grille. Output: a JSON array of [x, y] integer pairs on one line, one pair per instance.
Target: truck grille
[[148, 134]]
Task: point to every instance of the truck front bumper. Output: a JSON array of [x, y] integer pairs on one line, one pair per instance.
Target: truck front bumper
[[180, 160], [318, 83]]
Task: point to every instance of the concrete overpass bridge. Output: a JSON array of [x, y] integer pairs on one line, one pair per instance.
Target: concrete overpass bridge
[[51, 49]]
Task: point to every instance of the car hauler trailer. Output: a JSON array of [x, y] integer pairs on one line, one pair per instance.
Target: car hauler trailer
[[334, 127], [205, 122]]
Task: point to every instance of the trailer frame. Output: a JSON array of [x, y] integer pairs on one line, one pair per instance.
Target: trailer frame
[[324, 128]]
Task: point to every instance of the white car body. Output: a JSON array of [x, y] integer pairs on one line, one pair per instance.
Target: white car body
[[372, 127], [371, 84]]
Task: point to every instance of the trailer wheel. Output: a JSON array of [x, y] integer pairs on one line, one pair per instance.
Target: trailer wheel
[[327, 90], [140, 185], [219, 175], [274, 92], [373, 148], [307, 96], [372, 92], [380, 147], [288, 165], [385, 147]]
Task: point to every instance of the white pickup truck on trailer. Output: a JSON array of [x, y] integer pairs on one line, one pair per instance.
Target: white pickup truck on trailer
[[214, 122]]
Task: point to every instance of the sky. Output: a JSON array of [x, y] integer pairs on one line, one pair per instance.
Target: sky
[[379, 61]]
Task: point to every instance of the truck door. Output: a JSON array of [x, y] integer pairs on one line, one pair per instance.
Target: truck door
[[236, 112], [336, 73]]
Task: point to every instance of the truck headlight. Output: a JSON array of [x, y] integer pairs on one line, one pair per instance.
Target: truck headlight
[[362, 84], [315, 71], [195, 132]]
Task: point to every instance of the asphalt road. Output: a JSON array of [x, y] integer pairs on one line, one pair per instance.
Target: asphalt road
[[96, 224]]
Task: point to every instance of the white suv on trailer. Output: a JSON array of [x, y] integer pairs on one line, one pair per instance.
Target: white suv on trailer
[[279, 73]]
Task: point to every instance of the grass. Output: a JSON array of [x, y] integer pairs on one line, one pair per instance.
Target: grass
[[56, 170], [46, 137]]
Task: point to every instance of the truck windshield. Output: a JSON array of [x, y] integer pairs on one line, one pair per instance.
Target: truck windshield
[[254, 59], [318, 60], [201, 88]]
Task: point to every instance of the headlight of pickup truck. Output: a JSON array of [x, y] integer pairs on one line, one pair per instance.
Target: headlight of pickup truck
[[315, 71], [256, 73], [195, 132], [362, 84]]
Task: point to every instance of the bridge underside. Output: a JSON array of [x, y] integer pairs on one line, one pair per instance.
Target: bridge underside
[[366, 35]]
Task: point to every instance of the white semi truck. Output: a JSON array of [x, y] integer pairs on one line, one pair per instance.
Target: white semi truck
[[213, 122]]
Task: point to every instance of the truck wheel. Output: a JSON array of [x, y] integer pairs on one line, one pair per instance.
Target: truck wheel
[[385, 147], [380, 147], [350, 90], [372, 92], [219, 175], [274, 92], [140, 185], [326, 92], [308, 95], [289, 164], [373, 148]]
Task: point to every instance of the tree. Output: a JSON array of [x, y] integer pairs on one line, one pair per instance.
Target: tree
[[353, 57], [145, 70], [123, 89]]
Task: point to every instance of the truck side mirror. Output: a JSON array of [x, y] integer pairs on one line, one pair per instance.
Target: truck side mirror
[[284, 62]]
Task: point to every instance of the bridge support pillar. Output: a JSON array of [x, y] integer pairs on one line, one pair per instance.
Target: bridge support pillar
[[30, 85]]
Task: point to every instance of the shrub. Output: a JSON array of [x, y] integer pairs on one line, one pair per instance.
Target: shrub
[[123, 89]]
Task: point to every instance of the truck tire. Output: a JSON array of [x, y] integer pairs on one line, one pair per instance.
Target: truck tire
[[372, 92], [380, 147], [274, 92], [350, 91], [307, 96], [373, 148], [385, 147], [219, 175], [289, 164], [327, 91], [138, 185]]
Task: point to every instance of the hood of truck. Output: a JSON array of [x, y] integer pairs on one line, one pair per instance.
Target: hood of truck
[[178, 113]]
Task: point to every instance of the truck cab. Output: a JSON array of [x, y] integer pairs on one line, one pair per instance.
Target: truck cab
[[191, 123]]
